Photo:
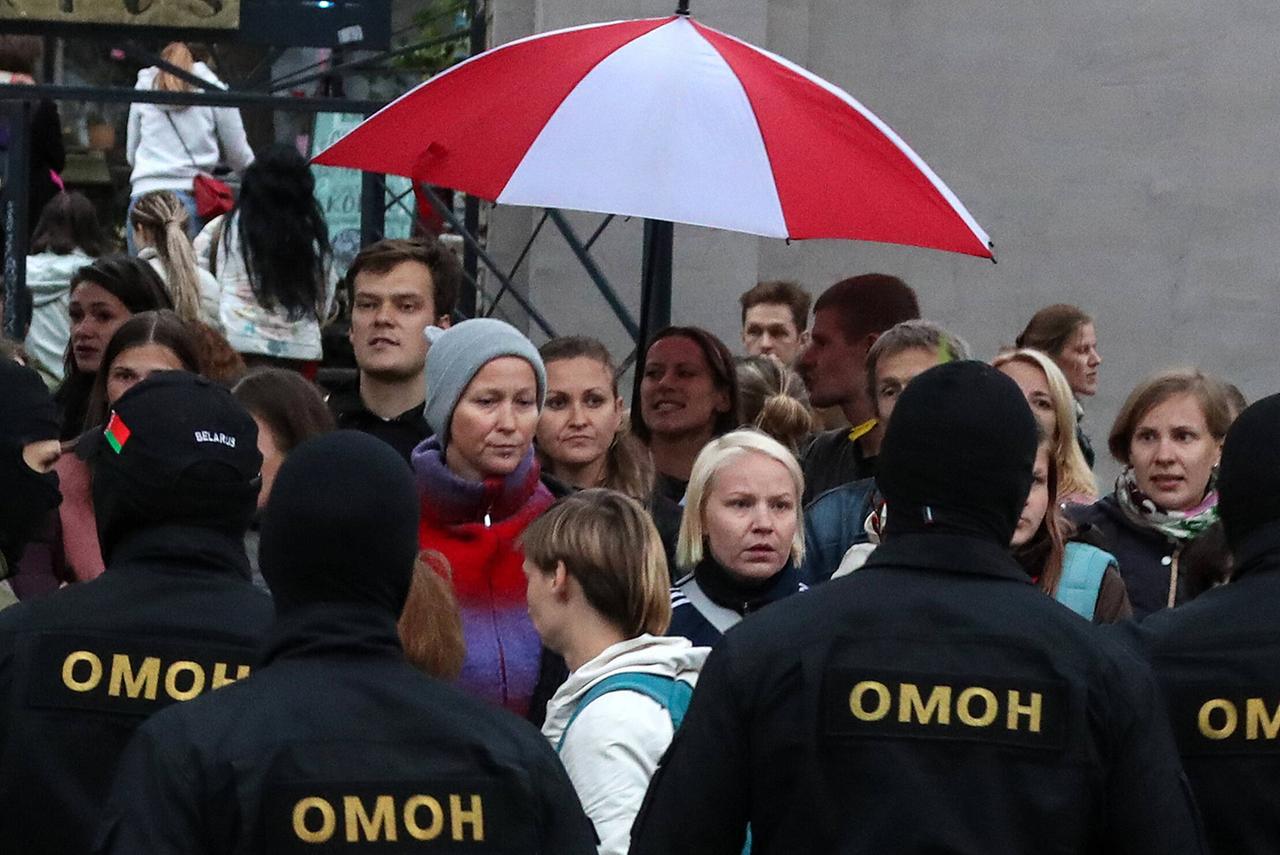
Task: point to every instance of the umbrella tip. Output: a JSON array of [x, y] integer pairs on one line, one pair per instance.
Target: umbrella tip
[[683, 8]]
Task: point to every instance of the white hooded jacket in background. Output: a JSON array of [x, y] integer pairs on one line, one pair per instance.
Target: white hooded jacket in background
[[49, 281], [614, 745], [155, 151]]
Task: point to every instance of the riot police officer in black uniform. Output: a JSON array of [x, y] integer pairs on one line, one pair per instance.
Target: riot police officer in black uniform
[[175, 481], [1218, 657], [337, 741], [935, 700]]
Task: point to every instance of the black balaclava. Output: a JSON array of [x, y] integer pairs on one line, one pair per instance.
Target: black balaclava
[[27, 415], [958, 455], [341, 525], [1249, 475], [177, 449]]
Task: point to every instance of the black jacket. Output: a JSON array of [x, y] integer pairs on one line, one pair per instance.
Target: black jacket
[[403, 433], [831, 460], [934, 701], [1218, 661], [174, 615], [1149, 561], [338, 739]]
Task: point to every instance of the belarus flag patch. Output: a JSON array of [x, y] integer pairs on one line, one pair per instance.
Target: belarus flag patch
[[117, 432]]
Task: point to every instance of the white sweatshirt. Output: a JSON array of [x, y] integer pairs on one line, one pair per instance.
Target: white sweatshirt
[[614, 746], [210, 290], [49, 281], [155, 147]]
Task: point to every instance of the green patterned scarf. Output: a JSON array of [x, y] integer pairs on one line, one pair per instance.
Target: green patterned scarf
[[1178, 525]]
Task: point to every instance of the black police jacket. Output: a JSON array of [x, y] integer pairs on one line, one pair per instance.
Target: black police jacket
[[934, 701], [173, 616], [1218, 660], [337, 743]]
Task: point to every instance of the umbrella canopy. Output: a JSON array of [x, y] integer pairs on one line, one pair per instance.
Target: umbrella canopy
[[667, 119]]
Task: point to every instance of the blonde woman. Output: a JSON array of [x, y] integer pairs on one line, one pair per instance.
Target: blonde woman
[[598, 595], [772, 397], [742, 535], [168, 145], [160, 225], [1053, 404]]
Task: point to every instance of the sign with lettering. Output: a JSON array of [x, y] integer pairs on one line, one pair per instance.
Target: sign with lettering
[[193, 14], [339, 190], [1029, 713], [129, 677]]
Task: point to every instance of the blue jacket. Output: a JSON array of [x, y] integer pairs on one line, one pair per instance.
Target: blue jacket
[[832, 523]]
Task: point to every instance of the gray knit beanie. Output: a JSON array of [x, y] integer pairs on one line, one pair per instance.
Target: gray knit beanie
[[457, 355]]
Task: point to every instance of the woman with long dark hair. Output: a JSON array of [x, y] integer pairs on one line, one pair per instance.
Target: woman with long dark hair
[[104, 295], [688, 397], [273, 264]]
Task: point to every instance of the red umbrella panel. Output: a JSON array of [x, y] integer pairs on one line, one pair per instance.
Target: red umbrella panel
[[666, 119]]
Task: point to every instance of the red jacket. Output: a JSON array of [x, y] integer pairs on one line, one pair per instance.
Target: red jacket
[[486, 571]]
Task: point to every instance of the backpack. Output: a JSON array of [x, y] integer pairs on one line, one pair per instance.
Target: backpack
[[1083, 567], [671, 694]]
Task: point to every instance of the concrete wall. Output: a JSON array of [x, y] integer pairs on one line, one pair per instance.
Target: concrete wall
[[1122, 157]]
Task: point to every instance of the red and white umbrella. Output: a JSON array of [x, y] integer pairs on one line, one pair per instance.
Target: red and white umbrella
[[667, 119]]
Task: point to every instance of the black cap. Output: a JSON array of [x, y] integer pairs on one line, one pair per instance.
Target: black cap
[[176, 448], [1249, 474], [27, 413], [958, 454], [341, 525]]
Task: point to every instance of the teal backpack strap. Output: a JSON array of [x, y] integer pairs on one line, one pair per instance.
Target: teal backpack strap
[[671, 694], [1083, 567]]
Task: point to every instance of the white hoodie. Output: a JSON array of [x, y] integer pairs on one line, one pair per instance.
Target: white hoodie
[[155, 147], [614, 746], [49, 281]]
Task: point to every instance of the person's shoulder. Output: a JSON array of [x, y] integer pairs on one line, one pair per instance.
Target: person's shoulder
[[60, 608], [824, 441], [342, 394], [688, 622], [845, 497], [1095, 513], [622, 717], [1238, 613], [489, 727]]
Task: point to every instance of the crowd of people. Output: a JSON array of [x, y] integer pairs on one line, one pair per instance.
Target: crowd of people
[[855, 590]]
